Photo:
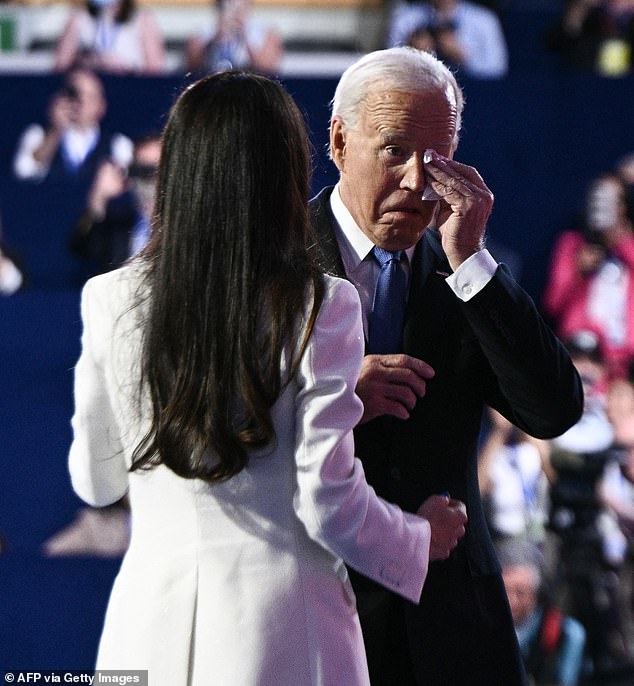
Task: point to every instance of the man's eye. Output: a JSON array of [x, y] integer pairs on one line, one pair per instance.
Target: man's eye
[[394, 151]]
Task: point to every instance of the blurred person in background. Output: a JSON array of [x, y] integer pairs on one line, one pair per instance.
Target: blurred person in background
[[465, 35], [552, 643], [618, 491], [113, 36], [239, 41], [513, 482], [590, 283], [595, 35], [585, 548], [94, 532], [58, 161], [620, 407], [422, 38], [117, 220], [72, 144], [625, 170], [12, 277]]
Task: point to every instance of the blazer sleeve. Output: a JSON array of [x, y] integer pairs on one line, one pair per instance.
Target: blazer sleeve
[[337, 506], [96, 461], [533, 383]]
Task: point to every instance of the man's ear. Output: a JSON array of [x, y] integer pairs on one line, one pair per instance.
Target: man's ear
[[338, 142]]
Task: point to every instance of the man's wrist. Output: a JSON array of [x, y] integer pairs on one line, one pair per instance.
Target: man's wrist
[[472, 275]]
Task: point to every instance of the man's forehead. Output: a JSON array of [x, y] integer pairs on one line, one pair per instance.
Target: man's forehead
[[383, 92], [86, 84], [420, 109]]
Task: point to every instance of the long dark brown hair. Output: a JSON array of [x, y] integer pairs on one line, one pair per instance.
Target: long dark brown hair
[[228, 274]]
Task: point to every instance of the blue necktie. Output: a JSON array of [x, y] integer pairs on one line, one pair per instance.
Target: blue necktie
[[386, 320]]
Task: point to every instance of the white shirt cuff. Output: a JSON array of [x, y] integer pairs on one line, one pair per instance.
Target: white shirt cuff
[[25, 166], [472, 275]]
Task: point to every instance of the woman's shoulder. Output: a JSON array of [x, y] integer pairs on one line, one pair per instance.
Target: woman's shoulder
[[337, 286], [339, 293], [129, 272], [115, 289], [340, 308]]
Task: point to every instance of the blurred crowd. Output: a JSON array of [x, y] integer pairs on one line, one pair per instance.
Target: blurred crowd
[[560, 511]]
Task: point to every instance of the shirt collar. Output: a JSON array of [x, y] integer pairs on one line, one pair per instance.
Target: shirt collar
[[358, 244]]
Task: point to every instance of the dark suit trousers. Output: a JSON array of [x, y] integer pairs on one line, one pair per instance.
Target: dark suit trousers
[[461, 634]]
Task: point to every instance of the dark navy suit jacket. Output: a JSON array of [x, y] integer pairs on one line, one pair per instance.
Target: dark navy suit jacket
[[496, 350]]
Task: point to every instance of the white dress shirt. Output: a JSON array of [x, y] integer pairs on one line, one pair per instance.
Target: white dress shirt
[[76, 145]]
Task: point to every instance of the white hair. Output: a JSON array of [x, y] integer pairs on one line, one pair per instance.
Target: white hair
[[403, 69]]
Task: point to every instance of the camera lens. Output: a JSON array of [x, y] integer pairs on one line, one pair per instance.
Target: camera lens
[[70, 92]]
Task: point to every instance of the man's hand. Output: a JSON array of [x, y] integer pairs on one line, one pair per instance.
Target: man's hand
[[447, 518], [391, 385], [464, 208], [109, 182]]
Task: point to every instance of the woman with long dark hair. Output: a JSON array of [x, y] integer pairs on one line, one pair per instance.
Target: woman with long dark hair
[[216, 387]]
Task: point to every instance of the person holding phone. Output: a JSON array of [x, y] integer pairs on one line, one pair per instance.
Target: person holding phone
[[238, 42], [590, 284], [112, 36], [72, 144]]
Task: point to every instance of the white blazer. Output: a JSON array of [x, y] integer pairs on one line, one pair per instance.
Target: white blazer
[[240, 583]]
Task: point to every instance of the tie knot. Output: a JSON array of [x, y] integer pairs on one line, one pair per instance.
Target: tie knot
[[385, 256]]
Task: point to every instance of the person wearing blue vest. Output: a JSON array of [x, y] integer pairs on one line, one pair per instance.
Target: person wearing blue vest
[[57, 163], [72, 144]]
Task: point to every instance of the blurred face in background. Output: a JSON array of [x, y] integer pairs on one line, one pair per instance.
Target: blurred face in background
[[620, 6], [521, 583], [605, 204], [142, 173], [87, 98]]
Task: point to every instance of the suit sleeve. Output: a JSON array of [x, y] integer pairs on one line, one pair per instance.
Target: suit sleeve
[[337, 506], [96, 461], [533, 382]]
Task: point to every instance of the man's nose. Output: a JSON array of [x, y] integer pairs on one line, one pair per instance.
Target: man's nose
[[414, 177]]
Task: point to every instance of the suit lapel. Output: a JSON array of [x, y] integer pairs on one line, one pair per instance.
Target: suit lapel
[[429, 258], [326, 251], [428, 305]]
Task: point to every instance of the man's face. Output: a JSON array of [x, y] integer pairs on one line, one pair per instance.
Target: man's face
[[89, 103], [381, 162], [443, 5]]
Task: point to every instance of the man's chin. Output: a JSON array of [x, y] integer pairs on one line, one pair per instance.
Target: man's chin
[[402, 235]]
